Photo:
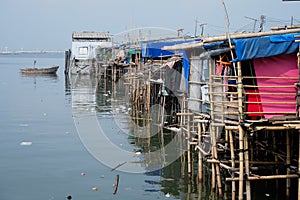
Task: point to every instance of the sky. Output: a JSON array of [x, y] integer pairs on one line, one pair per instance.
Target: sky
[[48, 24]]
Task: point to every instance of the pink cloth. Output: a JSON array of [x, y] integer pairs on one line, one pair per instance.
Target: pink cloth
[[219, 69], [281, 66]]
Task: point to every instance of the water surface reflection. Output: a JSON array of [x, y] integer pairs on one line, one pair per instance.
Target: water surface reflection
[[101, 102]]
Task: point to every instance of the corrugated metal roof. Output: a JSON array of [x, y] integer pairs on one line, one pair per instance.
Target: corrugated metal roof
[[90, 35]]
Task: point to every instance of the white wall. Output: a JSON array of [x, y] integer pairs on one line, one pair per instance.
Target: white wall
[[84, 50]]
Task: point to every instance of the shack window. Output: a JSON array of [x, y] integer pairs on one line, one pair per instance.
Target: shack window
[[83, 50]]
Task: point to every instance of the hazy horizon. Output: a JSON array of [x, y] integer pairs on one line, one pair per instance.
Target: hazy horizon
[[48, 24]]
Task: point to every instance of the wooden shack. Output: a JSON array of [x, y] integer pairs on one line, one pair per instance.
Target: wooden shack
[[88, 48], [242, 112]]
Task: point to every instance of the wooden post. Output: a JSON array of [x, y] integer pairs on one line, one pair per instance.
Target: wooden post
[[213, 177], [288, 162], [232, 163], [189, 147], [275, 156], [247, 167], [67, 61], [212, 128], [148, 91], [241, 131], [200, 159], [299, 164], [219, 183]]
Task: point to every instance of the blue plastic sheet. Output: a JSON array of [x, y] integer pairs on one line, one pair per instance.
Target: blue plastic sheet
[[251, 48]]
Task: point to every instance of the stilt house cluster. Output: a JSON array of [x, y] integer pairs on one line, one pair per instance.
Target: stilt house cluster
[[234, 97]]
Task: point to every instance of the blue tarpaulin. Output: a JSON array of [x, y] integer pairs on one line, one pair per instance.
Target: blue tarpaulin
[[260, 47], [154, 50]]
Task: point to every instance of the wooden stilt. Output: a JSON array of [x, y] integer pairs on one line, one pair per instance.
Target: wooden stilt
[[213, 177], [67, 61], [148, 91], [241, 130], [299, 163], [241, 159], [275, 156], [288, 162], [219, 182], [247, 167], [212, 128], [189, 147], [232, 163], [200, 159]]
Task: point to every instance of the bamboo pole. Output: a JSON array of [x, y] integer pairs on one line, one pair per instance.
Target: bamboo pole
[[232, 163], [189, 147], [260, 93], [254, 86], [269, 128], [214, 142], [253, 77], [247, 102], [241, 131], [219, 183], [272, 77], [212, 128], [272, 177], [236, 113], [149, 91], [226, 138], [247, 35], [241, 160], [200, 159], [247, 168]]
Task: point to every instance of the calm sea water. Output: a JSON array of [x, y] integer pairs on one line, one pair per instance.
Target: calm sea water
[[42, 156]]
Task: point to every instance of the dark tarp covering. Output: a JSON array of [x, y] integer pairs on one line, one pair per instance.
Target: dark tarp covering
[[261, 47]]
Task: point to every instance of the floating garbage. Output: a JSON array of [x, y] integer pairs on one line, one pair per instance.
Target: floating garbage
[[82, 174], [168, 195], [26, 143], [116, 185], [69, 197], [119, 165], [95, 188], [24, 125]]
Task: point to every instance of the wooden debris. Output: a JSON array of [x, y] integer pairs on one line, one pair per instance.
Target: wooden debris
[[116, 185]]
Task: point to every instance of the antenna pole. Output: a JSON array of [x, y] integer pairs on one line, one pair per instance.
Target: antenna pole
[[196, 24]]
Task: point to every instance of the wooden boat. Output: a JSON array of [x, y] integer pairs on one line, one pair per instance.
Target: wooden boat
[[50, 70]]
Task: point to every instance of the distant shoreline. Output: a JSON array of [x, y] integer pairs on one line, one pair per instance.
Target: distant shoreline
[[30, 52]]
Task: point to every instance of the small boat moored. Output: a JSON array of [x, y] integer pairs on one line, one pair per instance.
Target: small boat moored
[[50, 70]]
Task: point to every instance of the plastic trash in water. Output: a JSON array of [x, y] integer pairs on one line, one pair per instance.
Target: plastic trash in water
[[95, 188], [24, 125], [26, 143]]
